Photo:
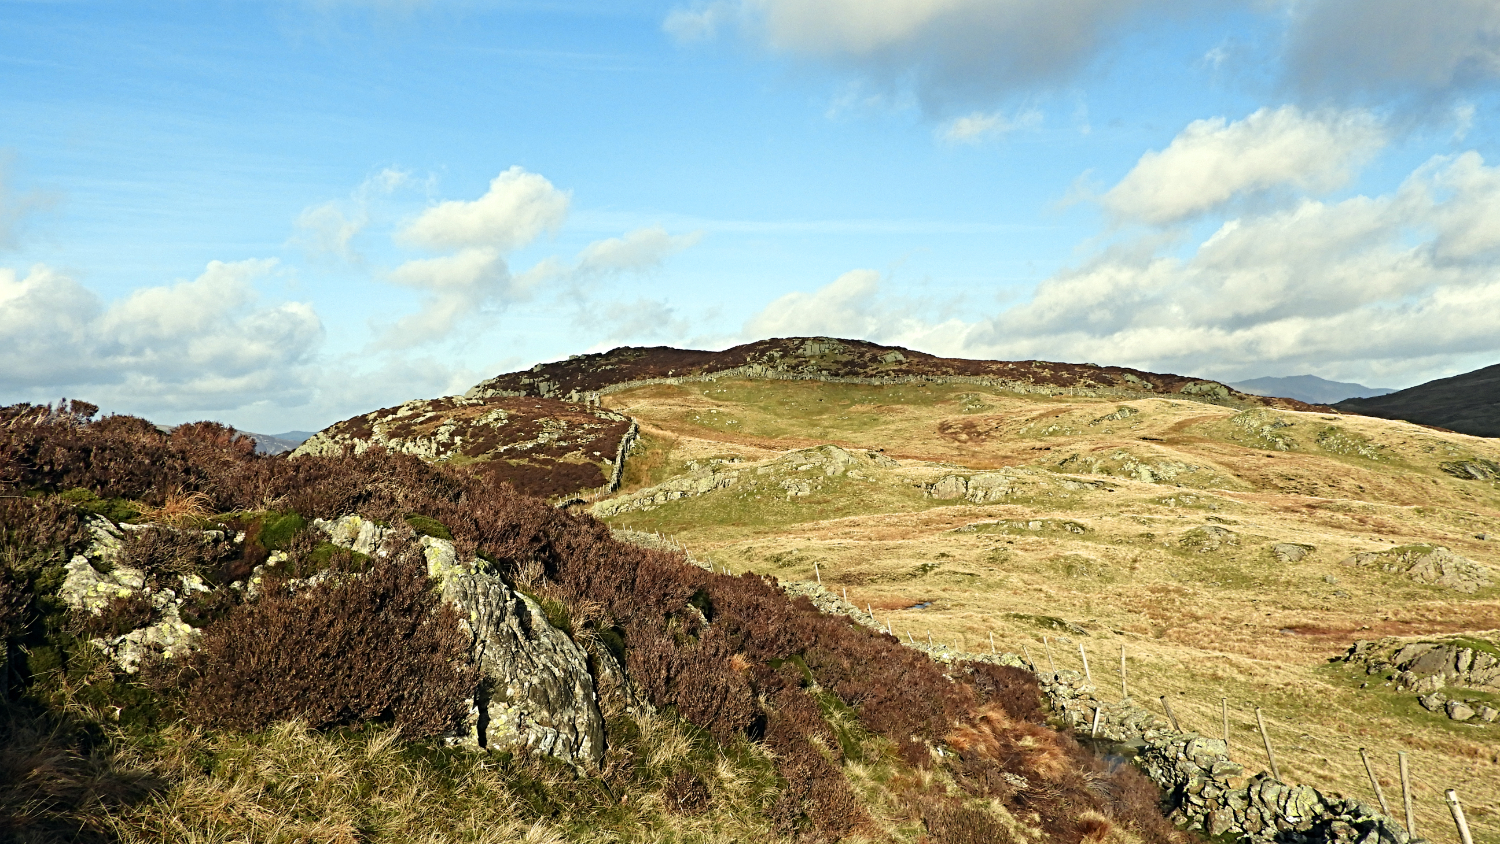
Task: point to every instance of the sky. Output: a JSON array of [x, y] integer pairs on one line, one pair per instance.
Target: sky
[[282, 213]]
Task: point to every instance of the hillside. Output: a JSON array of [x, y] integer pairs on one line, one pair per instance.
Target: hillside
[[1308, 388], [1233, 551], [542, 447], [585, 377], [204, 643], [1467, 403]]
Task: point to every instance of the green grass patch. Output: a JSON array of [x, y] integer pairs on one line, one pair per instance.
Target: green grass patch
[[426, 526]]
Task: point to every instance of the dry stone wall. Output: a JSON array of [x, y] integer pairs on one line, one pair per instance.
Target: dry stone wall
[[1204, 788]]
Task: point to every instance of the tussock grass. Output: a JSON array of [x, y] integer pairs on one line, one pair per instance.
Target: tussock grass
[[1199, 626]]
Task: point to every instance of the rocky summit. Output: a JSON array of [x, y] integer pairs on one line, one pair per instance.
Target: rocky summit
[[586, 377], [540, 446]]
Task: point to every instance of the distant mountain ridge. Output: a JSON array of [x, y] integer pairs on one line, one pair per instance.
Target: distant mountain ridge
[[1308, 388], [278, 443], [1467, 403]]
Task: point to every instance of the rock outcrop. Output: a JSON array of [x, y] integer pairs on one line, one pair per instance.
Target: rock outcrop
[[1445, 674], [793, 475], [537, 694], [96, 579], [1431, 564], [540, 446], [588, 377]]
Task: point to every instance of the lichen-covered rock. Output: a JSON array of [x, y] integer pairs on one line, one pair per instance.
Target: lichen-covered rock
[[537, 693], [1208, 538], [1290, 552], [1428, 564], [359, 535], [86, 589]]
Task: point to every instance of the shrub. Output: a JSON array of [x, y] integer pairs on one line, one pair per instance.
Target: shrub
[[379, 646]]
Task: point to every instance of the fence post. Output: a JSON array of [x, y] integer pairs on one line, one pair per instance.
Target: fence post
[[1458, 817], [1266, 737], [846, 594], [1087, 676], [1411, 819], [1224, 705], [992, 641], [1029, 660], [1124, 683], [817, 574], [1095, 732], [1048, 647], [1170, 717], [1385, 807]]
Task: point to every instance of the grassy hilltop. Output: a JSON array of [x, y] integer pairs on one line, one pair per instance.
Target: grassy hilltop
[[1216, 543]]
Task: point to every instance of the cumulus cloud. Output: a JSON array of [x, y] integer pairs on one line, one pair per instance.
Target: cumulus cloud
[[475, 277], [1378, 50], [1394, 286], [1213, 161], [330, 228], [1390, 279], [518, 207], [856, 305], [638, 251], [949, 50], [196, 344], [983, 126]]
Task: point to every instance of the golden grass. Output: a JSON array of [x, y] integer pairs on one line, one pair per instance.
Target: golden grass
[[1200, 626]]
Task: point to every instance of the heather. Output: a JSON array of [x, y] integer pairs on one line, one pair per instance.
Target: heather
[[782, 719]]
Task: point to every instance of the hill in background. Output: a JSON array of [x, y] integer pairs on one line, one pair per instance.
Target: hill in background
[[1468, 403], [1308, 388]]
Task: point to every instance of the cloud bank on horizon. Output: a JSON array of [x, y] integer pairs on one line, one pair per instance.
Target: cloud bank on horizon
[[1231, 190]]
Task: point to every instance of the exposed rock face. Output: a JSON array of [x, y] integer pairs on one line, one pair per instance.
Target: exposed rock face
[[1144, 468], [87, 589], [1291, 552], [541, 446], [1424, 667], [538, 695], [1428, 564], [792, 475], [1208, 539]]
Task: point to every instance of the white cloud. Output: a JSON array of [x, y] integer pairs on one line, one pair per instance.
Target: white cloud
[[638, 251], [949, 50], [1397, 286], [1213, 161], [700, 23], [1390, 280], [518, 207], [458, 286], [854, 305], [1378, 50], [200, 343], [330, 228], [15, 207], [983, 126]]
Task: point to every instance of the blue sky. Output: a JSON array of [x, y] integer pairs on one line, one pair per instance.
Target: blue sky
[[280, 214]]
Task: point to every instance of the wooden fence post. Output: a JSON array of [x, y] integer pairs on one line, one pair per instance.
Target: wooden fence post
[[1458, 817], [817, 574], [1095, 732], [1170, 717], [992, 641], [1411, 820], [1050, 662], [1087, 676], [1385, 807], [1029, 660], [1124, 683], [1224, 705], [1266, 737]]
